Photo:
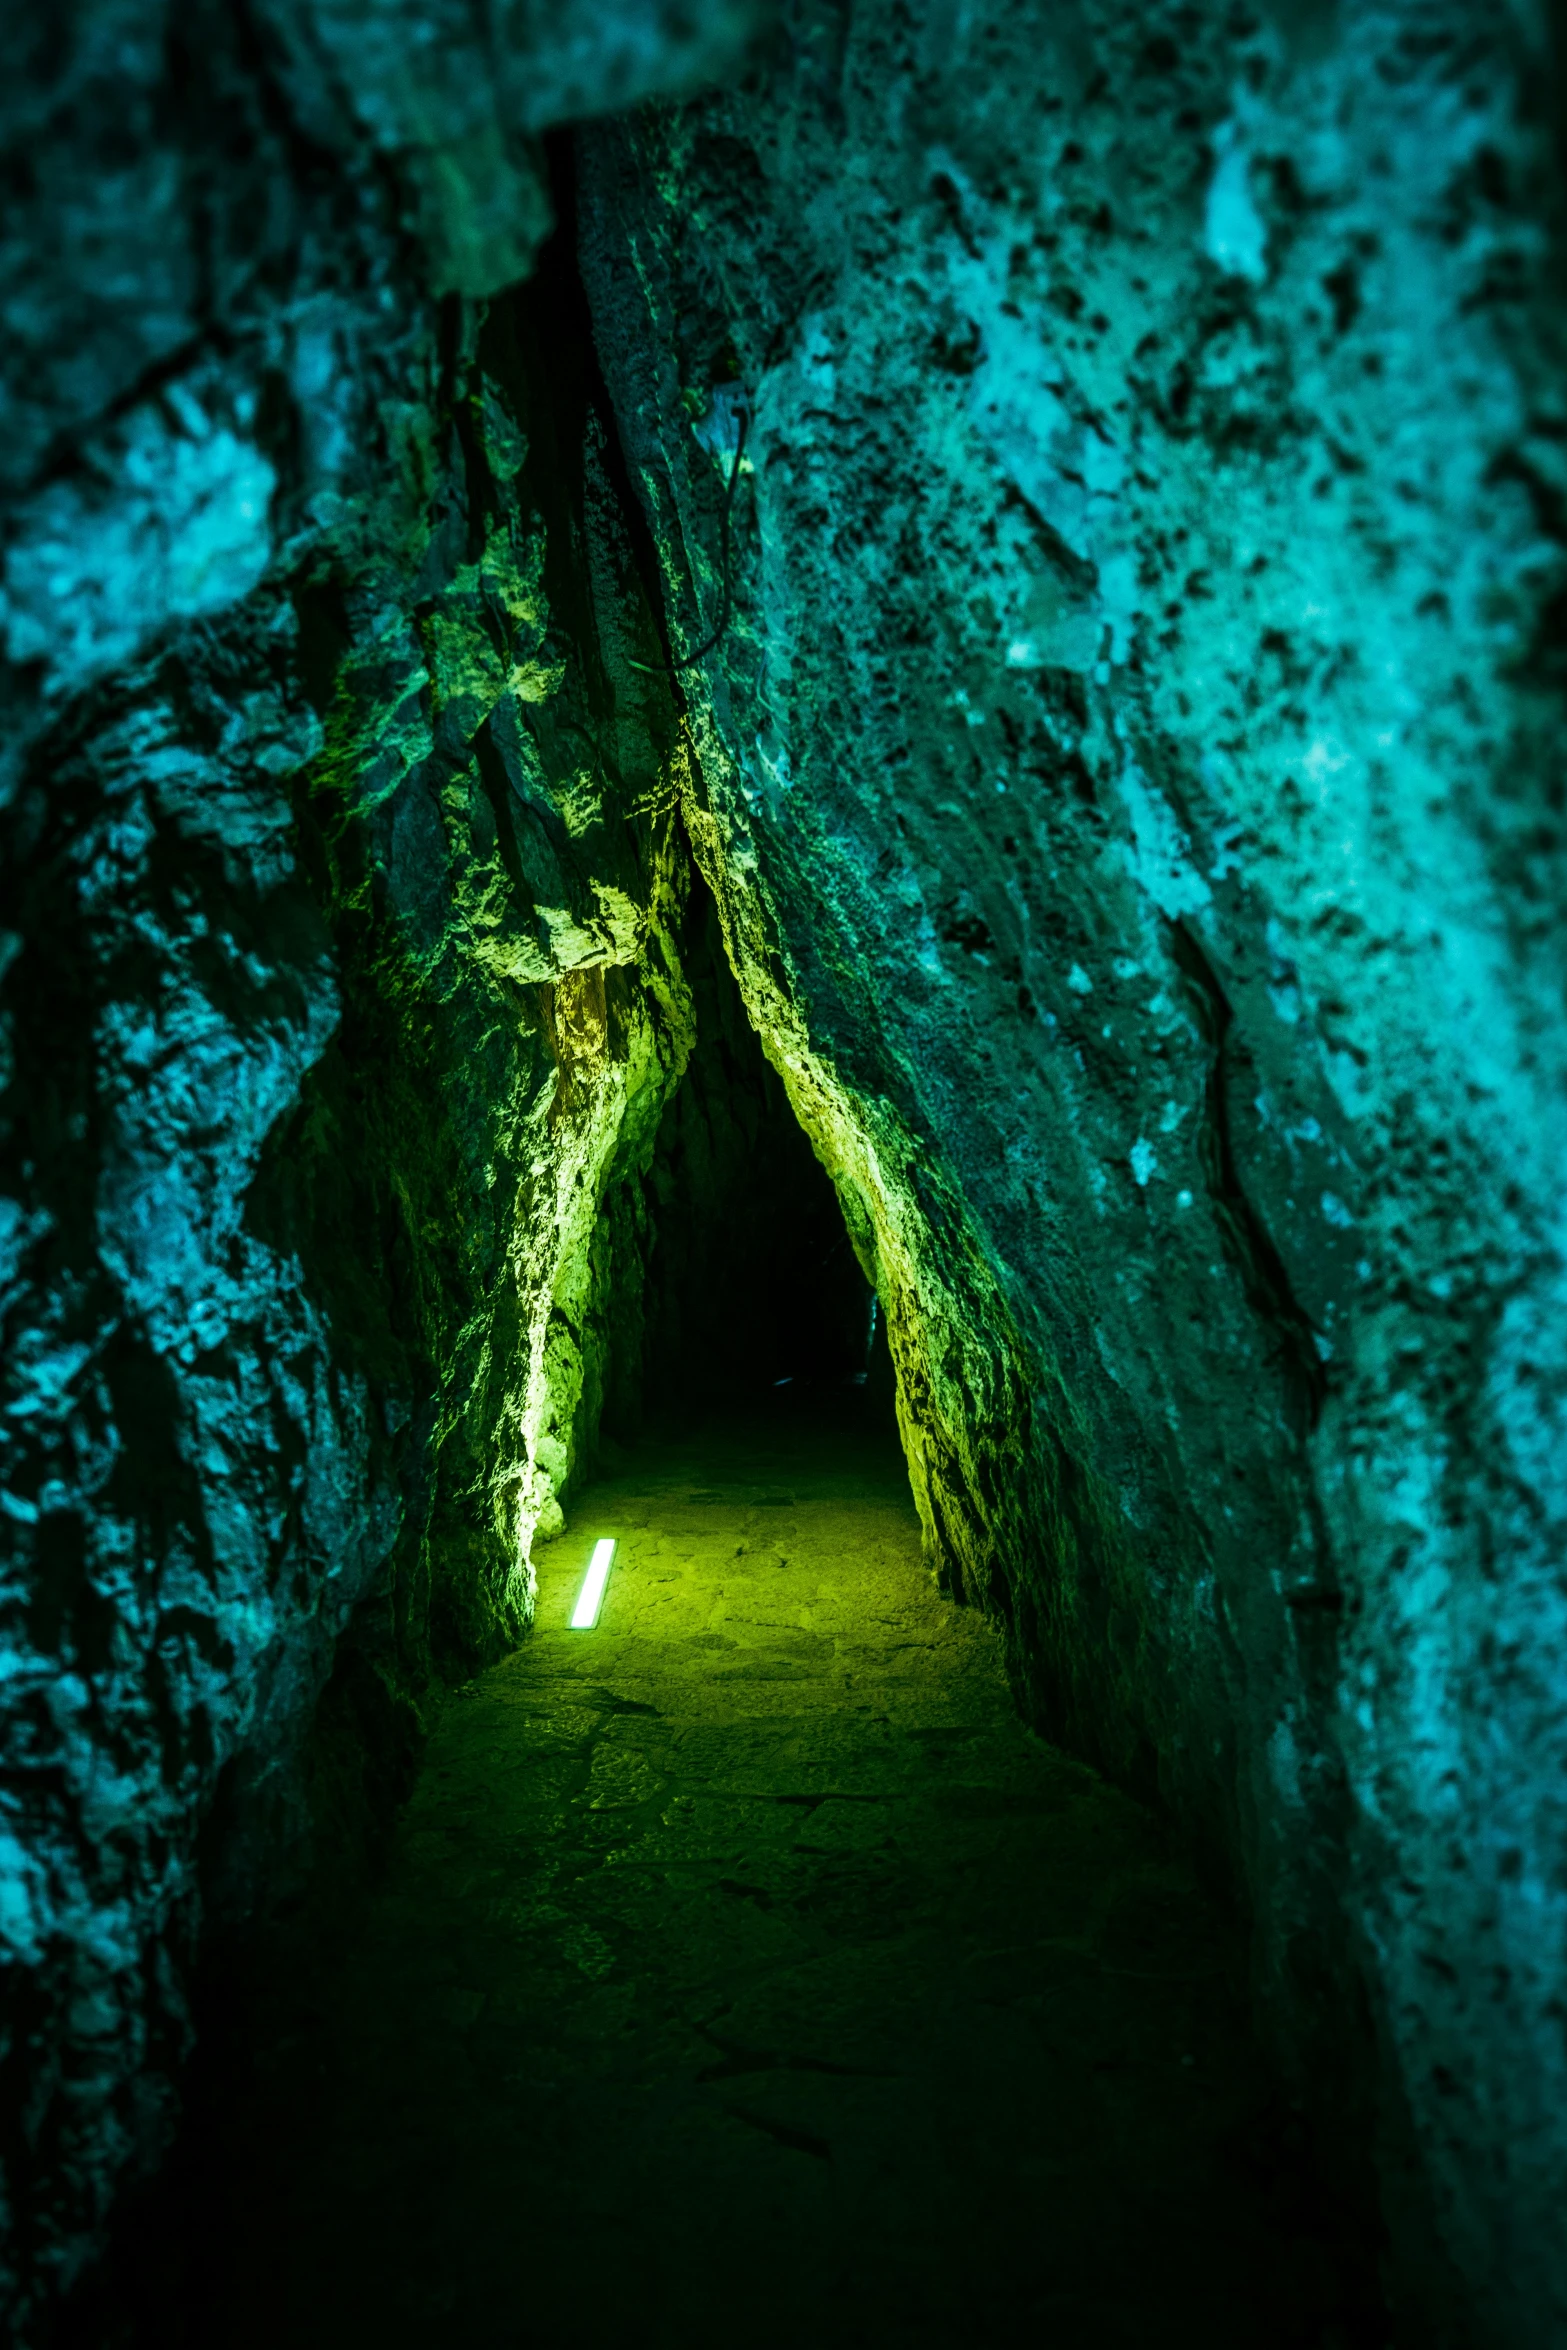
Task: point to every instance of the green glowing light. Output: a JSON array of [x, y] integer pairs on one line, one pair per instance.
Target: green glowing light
[[591, 1597]]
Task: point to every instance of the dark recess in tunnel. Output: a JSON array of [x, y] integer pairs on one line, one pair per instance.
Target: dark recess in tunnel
[[751, 1278]]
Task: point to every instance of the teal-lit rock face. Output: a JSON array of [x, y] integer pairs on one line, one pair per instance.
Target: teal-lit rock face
[[1119, 455], [335, 872], [1139, 739]]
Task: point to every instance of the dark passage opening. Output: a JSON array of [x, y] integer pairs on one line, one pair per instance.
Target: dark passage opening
[[751, 1281]]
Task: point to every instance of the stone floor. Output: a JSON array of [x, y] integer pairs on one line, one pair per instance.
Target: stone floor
[[747, 1974]]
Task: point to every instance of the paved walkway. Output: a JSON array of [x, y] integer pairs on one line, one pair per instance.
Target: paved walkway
[[748, 1975]]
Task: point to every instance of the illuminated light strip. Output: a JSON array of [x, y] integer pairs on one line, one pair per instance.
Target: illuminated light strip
[[591, 1597]]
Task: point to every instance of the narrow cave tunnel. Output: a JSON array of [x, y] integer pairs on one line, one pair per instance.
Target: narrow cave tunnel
[[740, 1961], [781, 803]]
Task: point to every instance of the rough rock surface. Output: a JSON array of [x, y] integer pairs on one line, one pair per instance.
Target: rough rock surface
[[1132, 778], [338, 852]]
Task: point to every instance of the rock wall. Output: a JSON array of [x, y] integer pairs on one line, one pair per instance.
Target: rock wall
[[340, 880], [1120, 457]]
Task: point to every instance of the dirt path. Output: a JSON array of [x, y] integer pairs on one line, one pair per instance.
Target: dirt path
[[748, 1975]]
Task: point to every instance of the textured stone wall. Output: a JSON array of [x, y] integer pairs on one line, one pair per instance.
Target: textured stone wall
[[340, 882], [1132, 776]]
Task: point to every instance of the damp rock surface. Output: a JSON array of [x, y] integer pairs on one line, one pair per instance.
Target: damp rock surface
[[745, 1965]]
